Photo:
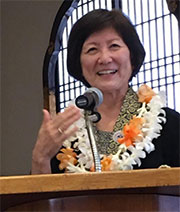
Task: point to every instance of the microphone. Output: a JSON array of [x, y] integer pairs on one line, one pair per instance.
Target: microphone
[[90, 100]]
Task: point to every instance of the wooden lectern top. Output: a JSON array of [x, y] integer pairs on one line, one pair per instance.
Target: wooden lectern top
[[13, 189], [90, 181]]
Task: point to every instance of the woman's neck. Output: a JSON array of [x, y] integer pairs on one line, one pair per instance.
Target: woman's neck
[[109, 110]]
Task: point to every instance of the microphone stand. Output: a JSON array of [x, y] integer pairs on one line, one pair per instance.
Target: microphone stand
[[89, 118]]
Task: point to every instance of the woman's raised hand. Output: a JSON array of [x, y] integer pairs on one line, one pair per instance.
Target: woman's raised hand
[[52, 133]]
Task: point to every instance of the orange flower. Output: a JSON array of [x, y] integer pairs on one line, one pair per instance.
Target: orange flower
[[68, 156], [92, 169], [131, 131], [105, 164], [145, 94]]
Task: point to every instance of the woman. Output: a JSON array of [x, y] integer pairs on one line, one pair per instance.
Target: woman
[[104, 51]]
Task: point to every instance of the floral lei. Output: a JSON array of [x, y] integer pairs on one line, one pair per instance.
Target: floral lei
[[135, 139]]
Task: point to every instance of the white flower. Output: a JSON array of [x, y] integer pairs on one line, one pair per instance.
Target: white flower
[[137, 152], [67, 143], [77, 169]]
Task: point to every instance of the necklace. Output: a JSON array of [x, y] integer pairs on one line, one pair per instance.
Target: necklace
[[134, 140]]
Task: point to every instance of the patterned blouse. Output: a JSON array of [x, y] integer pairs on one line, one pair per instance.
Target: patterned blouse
[[104, 140]]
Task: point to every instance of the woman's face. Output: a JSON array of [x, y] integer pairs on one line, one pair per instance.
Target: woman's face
[[105, 61]]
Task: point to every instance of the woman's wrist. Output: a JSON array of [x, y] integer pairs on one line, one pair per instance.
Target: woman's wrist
[[40, 165]]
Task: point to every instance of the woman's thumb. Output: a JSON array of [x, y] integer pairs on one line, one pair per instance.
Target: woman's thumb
[[46, 116]]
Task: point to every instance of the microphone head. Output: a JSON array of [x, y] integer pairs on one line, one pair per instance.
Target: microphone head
[[91, 99], [97, 95]]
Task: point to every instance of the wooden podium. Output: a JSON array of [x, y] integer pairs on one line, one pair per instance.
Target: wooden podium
[[136, 190]]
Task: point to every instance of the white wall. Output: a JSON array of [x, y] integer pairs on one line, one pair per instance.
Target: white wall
[[25, 32]]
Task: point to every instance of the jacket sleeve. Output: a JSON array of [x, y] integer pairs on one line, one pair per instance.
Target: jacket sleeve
[[171, 138]]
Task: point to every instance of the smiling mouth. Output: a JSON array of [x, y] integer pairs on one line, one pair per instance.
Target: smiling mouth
[[106, 72]]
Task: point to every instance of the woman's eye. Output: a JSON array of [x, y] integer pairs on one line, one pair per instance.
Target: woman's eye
[[115, 45], [91, 50]]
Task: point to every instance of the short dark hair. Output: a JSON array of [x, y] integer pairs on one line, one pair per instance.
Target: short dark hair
[[93, 22]]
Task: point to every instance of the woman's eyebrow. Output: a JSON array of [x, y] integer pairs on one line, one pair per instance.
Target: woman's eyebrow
[[90, 43], [95, 43]]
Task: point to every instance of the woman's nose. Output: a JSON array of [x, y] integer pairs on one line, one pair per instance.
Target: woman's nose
[[104, 57]]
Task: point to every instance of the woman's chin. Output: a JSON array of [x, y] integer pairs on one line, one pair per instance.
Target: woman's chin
[[108, 87], [112, 87]]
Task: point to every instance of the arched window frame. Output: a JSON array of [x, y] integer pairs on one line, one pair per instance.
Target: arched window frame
[[56, 93]]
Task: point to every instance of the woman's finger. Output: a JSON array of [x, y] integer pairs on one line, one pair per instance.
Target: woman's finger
[[67, 117], [66, 134], [68, 122]]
